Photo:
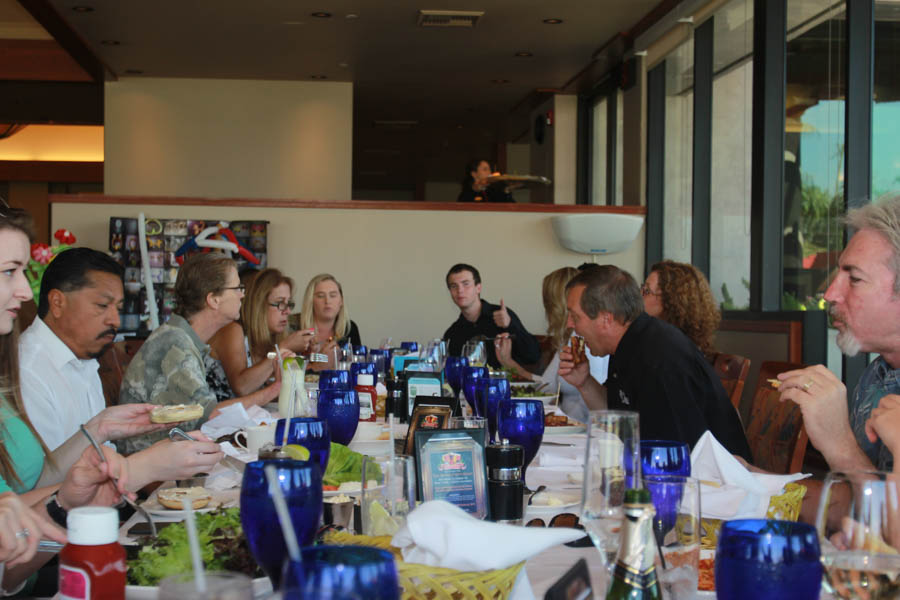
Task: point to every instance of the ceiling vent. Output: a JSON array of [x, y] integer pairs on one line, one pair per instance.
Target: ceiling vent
[[449, 18]]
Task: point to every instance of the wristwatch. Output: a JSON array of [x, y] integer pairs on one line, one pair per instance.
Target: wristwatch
[[56, 511]]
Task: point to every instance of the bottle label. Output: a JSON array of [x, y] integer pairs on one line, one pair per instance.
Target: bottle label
[[366, 409], [74, 583], [639, 580]]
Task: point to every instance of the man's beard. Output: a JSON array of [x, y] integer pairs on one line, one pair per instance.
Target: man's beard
[[105, 347], [846, 341]]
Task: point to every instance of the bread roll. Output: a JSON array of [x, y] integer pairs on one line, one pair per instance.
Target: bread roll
[[176, 413], [175, 497]]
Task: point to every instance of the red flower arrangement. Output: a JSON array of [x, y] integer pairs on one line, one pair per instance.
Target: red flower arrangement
[[42, 255]]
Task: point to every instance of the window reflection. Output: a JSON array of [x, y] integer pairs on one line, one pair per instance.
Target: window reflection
[[886, 111], [677, 213], [598, 153]]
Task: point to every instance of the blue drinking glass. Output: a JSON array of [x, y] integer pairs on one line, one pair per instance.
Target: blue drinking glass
[[522, 422], [361, 351], [301, 484], [665, 457], [340, 408], [362, 367], [381, 358], [309, 432], [760, 558], [453, 369], [342, 573], [490, 392], [334, 379], [411, 347], [470, 378]]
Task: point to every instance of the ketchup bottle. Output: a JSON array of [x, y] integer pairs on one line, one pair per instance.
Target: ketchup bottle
[[365, 389], [92, 563]]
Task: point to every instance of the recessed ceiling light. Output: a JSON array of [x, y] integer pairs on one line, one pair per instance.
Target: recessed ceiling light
[[553, 21], [524, 54], [82, 8], [343, 65], [110, 42], [318, 77], [499, 80], [321, 15], [351, 16], [134, 72]]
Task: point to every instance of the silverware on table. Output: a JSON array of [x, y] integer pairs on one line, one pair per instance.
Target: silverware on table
[[177, 434], [132, 503]]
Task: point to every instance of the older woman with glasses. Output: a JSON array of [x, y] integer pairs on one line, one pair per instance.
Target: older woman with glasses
[[242, 346], [679, 294]]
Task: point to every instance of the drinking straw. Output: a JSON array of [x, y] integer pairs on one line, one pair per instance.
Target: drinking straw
[[281, 509], [391, 434], [196, 558], [558, 384]]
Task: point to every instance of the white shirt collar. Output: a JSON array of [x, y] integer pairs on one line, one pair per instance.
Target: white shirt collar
[[57, 350]]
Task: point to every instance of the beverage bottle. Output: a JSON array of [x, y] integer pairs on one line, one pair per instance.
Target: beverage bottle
[[365, 390], [634, 576], [92, 563]]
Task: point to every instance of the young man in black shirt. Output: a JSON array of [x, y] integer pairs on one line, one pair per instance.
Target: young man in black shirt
[[479, 317], [654, 369]]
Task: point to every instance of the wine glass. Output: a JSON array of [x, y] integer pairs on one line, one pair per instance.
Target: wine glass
[[453, 372], [334, 379], [676, 524], [613, 452], [342, 573], [522, 422], [361, 367], [384, 506], [410, 347], [858, 524], [309, 432], [340, 408], [470, 377], [491, 391], [475, 353], [665, 457], [301, 484], [763, 558]]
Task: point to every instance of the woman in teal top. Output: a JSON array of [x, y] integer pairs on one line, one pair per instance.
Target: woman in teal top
[[24, 449]]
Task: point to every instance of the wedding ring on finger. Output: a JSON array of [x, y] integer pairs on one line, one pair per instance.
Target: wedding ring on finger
[[807, 385], [24, 533]]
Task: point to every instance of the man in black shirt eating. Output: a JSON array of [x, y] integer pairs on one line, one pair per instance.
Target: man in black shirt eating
[[478, 317], [654, 369]]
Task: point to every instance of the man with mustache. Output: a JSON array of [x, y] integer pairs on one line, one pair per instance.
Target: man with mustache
[[864, 300]]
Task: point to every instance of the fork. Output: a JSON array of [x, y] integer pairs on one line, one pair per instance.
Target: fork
[[128, 500]]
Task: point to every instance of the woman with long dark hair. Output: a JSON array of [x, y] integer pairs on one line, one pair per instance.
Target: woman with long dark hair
[[476, 189]]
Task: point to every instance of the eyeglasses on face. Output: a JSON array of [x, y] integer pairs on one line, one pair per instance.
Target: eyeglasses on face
[[646, 291], [283, 306], [239, 287]]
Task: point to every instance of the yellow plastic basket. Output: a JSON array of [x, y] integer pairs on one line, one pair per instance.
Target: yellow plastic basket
[[785, 507], [421, 582]]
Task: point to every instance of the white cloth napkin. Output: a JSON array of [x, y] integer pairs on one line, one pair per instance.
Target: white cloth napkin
[[235, 417], [562, 456], [440, 534], [744, 494]]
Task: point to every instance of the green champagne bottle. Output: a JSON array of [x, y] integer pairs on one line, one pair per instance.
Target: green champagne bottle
[[634, 577]]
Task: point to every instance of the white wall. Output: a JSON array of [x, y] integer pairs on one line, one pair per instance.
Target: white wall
[[391, 262], [228, 138]]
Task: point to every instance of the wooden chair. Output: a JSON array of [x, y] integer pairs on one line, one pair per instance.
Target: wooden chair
[[113, 364], [732, 370], [775, 429]]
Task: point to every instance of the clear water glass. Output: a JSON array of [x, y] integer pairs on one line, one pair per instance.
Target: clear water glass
[[384, 506], [676, 527]]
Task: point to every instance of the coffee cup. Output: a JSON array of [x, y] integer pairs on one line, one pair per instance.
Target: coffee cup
[[252, 439]]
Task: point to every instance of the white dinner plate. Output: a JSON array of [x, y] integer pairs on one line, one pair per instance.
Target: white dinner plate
[[152, 506], [569, 499], [565, 429]]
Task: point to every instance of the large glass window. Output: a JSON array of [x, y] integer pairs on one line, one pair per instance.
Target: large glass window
[[886, 111], [677, 190], [814, 150], [598, 152], [732, 142]]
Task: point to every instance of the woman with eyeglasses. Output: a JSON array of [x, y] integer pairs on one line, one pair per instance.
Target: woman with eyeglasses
[[679, 293], [241, 347]]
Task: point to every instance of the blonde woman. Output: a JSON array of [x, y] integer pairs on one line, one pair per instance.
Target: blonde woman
[[241, 347], [325, 312], [553, 291]]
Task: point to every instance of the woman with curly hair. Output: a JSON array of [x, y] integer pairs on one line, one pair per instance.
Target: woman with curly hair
[[680, 294]]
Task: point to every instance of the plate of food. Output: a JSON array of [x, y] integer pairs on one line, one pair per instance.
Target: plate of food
[[531, 391], [151, 559], [555, 499], [343, 475], [556, 424], [167, 502]]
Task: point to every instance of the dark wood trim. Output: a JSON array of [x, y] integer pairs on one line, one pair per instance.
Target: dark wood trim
[[343, 204], [793, 329], [650, 19], [52, 102], [41, 60], [701, 201], [51, 171], [56, 26], [656, 160]]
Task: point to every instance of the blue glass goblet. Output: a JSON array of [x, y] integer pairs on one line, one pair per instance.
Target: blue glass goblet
[[665, 457], [760, 558], [522, 422], [309, 432], [340, 408], [491, 392], [362, 367], [301, 484], [453, 372], [334, 379], [411, 347], [470, 378], [342, 573]]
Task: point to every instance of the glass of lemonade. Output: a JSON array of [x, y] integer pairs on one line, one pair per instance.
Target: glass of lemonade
[[859, 531]]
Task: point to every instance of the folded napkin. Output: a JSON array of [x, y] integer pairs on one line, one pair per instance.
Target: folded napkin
[[222, 477], [235, 417], [562, 456], [743, 494]]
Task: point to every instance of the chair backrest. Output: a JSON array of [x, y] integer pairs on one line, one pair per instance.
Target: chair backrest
[[113, 364], [775, 429], [732, 370]]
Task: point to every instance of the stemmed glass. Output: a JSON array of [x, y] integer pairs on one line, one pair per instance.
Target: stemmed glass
[[470, 377], [858, 525], [340, 408], [665, 457], [334, 379], [309, 432], [491, 391], [676, 499], [522, 422], [301, 483], [342, 573], [475, 353], [612, 461], [776, 560], [453, 372]]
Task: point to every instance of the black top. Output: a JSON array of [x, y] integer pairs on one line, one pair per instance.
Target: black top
[[495, 192], [525, 348], [658, 372], [352, 337]]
